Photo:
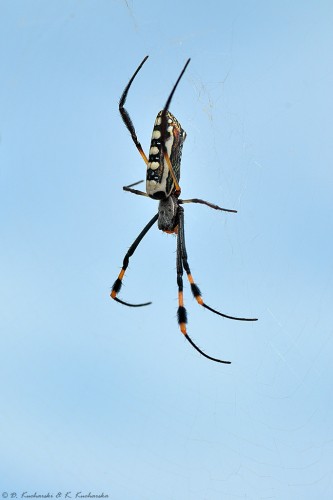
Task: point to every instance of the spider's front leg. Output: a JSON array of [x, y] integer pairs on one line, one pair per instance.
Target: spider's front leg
[[118, 283], [194, 287], [182, 315]]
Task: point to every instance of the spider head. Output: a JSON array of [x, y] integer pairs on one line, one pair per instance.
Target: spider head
[[168, 214]]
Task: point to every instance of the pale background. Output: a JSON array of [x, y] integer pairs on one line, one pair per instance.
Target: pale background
[[98, 397]]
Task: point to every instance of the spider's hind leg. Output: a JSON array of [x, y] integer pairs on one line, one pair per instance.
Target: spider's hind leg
[[126, 117]]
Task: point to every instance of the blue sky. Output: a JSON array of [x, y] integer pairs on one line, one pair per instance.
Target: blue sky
[[101, 398]]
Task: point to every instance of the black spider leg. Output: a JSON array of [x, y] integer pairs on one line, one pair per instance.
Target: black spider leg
[[118, 283], [126, 117], [164, 125], [203, 202], [194, 287], [135, 191], [182, 315]]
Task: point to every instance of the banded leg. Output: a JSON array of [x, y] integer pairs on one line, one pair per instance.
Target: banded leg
[[126, 117], [118, 283], [182, 315], [194, 287], [202, 202]]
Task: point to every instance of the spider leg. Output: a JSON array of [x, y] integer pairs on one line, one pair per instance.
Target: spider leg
[[134, 191], [168, 162], [211, 205], [126, 117], [194, 287], [118, 283], [182, 315], [164, 125], [167, 104]]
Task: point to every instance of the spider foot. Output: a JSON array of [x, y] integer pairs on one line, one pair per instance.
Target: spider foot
[[205, 355], [128, 304], [115, 290], [197, 295]]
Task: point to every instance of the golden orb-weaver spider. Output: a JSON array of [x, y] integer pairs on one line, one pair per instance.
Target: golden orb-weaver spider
[[162, 183]]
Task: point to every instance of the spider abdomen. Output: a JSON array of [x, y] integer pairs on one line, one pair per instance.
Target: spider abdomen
[[159, 182]]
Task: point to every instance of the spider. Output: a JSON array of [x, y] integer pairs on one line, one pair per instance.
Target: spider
[[162, 183]]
